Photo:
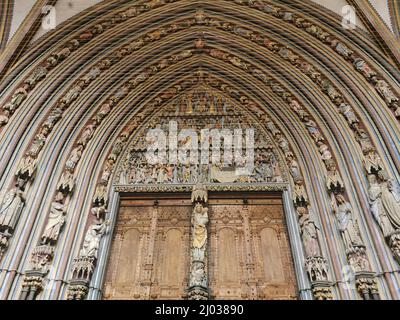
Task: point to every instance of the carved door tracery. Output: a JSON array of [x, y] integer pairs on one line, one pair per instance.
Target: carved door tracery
[[249, 255]]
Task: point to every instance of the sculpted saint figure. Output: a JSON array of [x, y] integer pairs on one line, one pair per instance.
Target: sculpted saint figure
[[103, 112], [348, 113], [56, 220], [74, 158], [38, 74], [39, 142], [309, 234], [92, 240], [385, 91], [377, 209], [87, 134], [313, 129], [53, 118], [363, 139], [17, 98], [10, 208], [391, 202], [294, 168], [199, 222], [347, 224], [362, 66]]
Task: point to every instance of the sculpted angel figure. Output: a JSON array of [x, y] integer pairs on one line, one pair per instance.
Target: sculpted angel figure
[[56, 220]]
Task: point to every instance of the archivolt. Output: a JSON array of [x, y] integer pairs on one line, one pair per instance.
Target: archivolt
[[242, 57]]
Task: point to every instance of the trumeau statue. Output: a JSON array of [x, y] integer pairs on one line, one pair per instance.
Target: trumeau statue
[[199, 223], [377, 208], [10, 209], [56, 220], [92, 240], [347, 223]]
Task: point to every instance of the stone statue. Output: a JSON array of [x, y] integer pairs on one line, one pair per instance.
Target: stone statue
[[347, 223], [72, 94], [294, 168], [53, 118], [10, 209], [309, 236], [74, 158], [4, 117], [39, 142], [56, 220], [87, 134], [363, 139], [38, 74], [313, 129], [383, 88], [102, 113], [324, 151], [391, 202], [362, 66], [283, 144], [17, 98], [199, 223], [377, 209], [348, 113], [92, 239]]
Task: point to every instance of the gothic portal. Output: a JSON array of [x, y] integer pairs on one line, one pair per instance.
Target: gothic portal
[[181, 149]]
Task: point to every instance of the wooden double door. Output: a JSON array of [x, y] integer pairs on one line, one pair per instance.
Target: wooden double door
[[249, 253]]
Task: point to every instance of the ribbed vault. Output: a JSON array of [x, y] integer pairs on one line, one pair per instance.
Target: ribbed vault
[[277, 60]]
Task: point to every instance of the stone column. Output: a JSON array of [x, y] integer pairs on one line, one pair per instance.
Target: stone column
[[198, 278]]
